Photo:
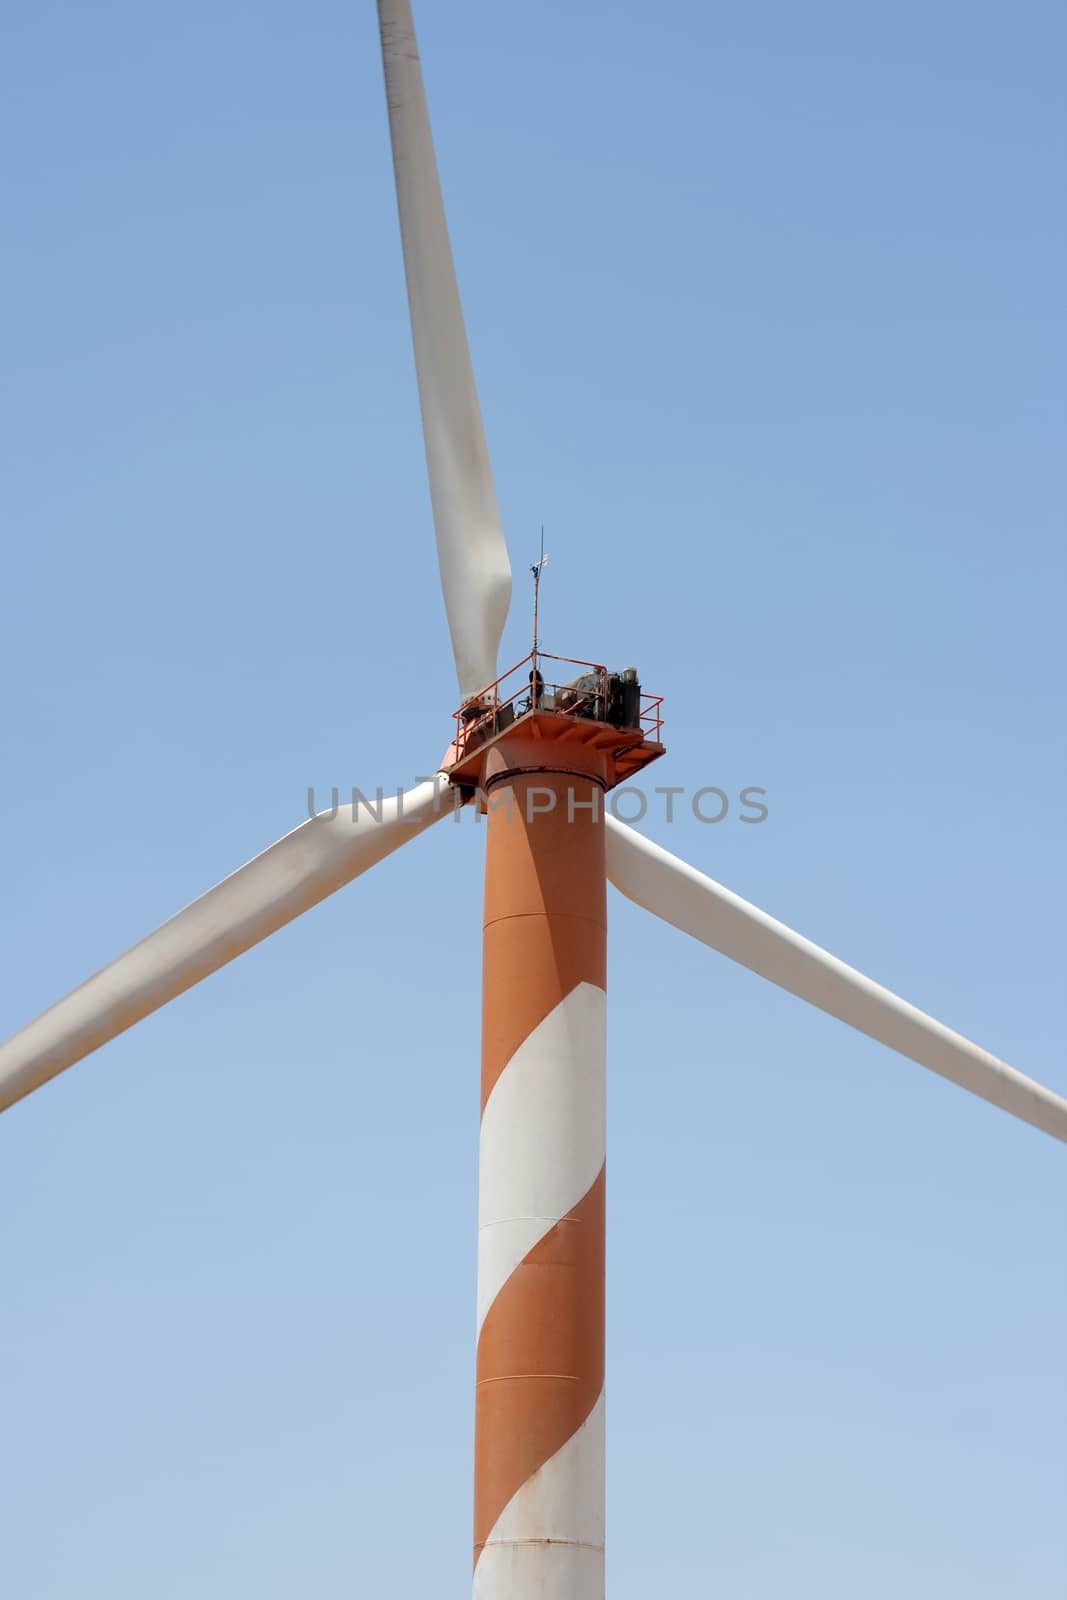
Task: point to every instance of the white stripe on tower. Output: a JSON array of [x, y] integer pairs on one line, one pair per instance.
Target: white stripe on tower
[[542, 1142], [549, 1539]]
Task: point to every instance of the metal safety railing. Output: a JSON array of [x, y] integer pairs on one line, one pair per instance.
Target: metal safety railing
[[585, 694]]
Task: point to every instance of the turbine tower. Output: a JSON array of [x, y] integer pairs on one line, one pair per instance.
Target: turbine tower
[[537, 749]]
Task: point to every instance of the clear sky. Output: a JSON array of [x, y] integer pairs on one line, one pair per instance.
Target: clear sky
[[766, 309]]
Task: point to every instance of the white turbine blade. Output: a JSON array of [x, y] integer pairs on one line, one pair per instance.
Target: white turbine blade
[[291, 876], [471, 551], [684, 897]]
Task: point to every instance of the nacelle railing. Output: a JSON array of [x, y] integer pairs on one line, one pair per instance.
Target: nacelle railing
[[588, 693]]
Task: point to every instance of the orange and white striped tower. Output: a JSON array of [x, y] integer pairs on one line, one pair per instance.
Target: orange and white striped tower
[[539, 1421], [539, 1412]]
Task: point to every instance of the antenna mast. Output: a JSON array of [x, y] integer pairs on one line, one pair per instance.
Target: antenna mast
[[536, 570]]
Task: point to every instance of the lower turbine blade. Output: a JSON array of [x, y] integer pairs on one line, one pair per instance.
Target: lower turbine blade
[[322, 855], [684, 897]]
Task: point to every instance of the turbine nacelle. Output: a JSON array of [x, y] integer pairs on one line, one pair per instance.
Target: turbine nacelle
[[541, 703]]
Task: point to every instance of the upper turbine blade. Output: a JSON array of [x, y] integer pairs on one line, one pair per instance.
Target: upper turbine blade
[[698, 905], [473, 557], [288, 878]]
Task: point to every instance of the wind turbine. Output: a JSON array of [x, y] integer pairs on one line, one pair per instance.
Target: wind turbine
[[538, 756]]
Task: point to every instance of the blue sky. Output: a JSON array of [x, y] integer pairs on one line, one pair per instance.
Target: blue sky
[[766, 310]]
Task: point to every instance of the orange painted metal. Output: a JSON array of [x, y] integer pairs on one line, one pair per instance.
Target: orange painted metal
[[546, 711]]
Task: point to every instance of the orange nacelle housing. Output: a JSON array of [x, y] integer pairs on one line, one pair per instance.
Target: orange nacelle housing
[[536, 716]]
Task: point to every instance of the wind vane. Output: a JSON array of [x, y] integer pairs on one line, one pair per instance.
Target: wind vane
[[537, 569]]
